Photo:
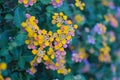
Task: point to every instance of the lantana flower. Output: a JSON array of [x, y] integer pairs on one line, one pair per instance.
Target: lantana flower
[[104, 55], [100, 28], [79, 55], [27, 2], [49, 47], [80, 4], [56, 3]]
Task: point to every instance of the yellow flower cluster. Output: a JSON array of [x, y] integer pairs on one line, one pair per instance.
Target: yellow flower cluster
[[59, 19], [49, 47], [3, 66], [104, 55], [79, 4]]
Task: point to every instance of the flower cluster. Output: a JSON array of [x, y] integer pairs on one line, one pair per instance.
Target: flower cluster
[[27, 2], [49, 47], [112, 36], [112, 20], [78, 57], [79, 18], [3, 66], [108, 3], [56, 3], [79, 4], [104, 55], [100, 28]]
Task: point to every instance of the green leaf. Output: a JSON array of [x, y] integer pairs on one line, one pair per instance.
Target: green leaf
[[69, 77], [79, 77], [8, 16], [45, 1], [28, 58], [49, 8], [20, 39], [3, 39], [8, 58], [65, 8], [75, 42], [82, 78], [5, 73], [14, 76], [3, 52], [28, 77], [21, 63], [19, 17]]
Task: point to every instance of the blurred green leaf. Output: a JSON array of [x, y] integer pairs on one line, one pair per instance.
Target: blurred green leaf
[[49, 8], [3, 52], [8, 16], [69, 77], [5, 73], [14, 76]]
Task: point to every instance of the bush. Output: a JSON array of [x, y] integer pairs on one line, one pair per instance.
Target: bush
[[59, 39]]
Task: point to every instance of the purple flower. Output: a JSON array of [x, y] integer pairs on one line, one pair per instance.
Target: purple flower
[[118, 12], [111, 5], [99, 28], [28, 71], [91, 40]]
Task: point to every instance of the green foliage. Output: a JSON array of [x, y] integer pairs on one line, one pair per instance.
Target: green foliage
[[45, 1], [17, 56], [20, 39], [19, 17]]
